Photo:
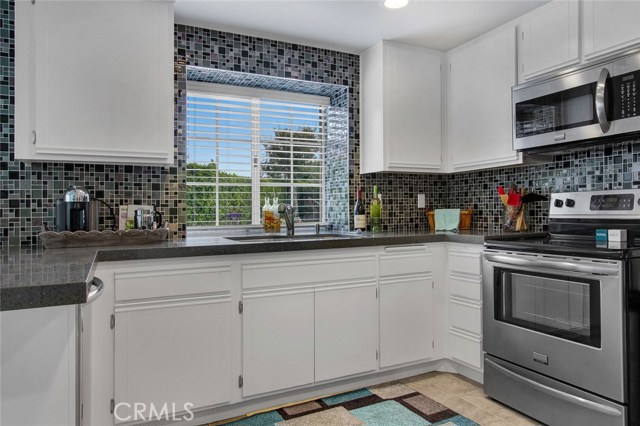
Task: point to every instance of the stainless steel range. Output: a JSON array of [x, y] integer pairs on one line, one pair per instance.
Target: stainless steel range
[[562, 314]]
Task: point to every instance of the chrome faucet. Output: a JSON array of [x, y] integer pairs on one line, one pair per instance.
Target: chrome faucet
[[287, 211]]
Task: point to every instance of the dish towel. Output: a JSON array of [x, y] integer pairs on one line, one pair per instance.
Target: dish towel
[[447, 219]]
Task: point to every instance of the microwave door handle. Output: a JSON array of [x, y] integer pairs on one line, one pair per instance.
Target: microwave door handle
[[601, 91]]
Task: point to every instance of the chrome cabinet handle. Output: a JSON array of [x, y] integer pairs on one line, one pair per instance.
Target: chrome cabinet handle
[[97, 287], [561, 265], [601, 113], [573, 399]]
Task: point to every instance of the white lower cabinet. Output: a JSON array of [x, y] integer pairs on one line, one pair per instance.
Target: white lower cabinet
[[466, 348], [202, 334], [38, 366], [173, 355], [464, 277], [407, 332], [405, 313], [173, 340], [345, 331], [277, 341], [307, 318]]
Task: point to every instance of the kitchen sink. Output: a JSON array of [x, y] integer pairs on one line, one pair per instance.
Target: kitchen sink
[[276, 237]]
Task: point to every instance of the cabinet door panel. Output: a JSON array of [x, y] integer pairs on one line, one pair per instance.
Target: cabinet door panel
[[465, 262], [412, 109], [346, 331], [107, 97], [480, 129], [401, 94], [549, 39], [179, 354], [278, 342], [465, 347], [465, 315], [38, 386], [610, 26], [405, 332]]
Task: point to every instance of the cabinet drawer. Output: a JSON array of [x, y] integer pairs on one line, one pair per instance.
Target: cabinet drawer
[[465, 315], [283, 272], [465, 262], [406, 260], [170, 283], [465, 348], [464, 286]]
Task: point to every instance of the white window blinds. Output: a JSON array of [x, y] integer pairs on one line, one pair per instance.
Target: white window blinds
[[243, 146]]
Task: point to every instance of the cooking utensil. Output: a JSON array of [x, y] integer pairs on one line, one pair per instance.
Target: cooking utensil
[[513, 199], [532, 197]]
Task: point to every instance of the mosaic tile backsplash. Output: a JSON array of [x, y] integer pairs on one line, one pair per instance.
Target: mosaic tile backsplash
[[27, 192]]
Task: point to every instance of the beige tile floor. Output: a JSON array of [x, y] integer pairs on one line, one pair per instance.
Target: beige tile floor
[[466, 397]]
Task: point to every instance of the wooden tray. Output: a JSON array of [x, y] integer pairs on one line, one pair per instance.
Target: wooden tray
[[51, 239]]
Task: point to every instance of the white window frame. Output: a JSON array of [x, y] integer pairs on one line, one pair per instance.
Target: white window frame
[[256, 94]]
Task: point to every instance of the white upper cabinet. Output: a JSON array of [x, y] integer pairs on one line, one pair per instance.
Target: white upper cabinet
[[609, 26], [400, 89], [549, 39], [94, 81], [479, 129]]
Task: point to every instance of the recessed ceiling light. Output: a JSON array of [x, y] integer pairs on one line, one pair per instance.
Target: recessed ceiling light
[[395, 4]]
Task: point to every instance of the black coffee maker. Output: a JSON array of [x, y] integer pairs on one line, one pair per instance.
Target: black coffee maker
[[73, 210]]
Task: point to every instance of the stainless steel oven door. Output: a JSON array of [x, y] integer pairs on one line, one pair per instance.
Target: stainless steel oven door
[[562, 317]]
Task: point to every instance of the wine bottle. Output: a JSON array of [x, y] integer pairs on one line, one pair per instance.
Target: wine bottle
[[375, 211], [359, 216]]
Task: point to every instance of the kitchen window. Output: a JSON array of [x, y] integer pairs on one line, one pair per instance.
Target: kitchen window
[[245, 144]]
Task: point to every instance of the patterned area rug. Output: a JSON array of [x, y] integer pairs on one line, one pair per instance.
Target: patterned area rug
[[384, 405]]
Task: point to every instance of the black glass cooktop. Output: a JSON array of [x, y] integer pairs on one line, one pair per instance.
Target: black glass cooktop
[[569, 245]]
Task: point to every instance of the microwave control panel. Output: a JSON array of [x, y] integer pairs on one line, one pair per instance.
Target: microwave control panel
[[626, 90]]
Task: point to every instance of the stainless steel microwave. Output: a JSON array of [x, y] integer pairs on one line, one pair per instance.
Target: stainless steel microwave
[[589, 103]]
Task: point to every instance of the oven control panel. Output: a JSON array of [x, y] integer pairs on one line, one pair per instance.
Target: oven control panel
[[613, 204]]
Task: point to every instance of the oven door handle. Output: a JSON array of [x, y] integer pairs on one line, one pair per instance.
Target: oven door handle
[[561, 265], [573, 399]]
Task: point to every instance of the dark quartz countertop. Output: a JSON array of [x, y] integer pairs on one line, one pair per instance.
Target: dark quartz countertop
[[35, 277]]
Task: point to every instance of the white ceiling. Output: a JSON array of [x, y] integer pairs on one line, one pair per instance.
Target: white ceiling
[[354, 25]]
